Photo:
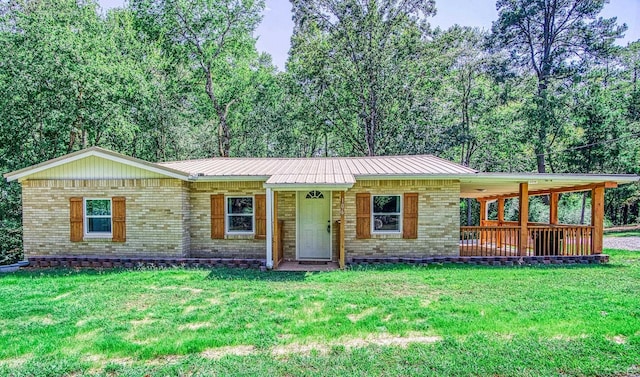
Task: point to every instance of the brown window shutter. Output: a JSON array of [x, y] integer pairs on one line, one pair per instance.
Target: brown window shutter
[[119, 219], [410, 216], [261, 216], [217, 216], [76, 216], [363, 215]]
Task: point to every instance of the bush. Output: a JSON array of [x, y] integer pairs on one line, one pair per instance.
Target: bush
[[10, 242]]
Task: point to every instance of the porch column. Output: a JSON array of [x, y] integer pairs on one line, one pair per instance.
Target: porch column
[[483, 211], [341, 256], [483, 218], [276, 232], [597, 218], [500, 221], [553, 208], [523, 218], [269, 256]]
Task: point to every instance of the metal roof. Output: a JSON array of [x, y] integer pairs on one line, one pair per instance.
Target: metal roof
[[337, 172], [319, 170]]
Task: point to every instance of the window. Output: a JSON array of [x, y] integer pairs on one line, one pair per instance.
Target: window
[[240, 215], [386, 213], [97, 217], [315, 195]]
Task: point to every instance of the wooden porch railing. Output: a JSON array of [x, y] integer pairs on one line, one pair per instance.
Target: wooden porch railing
[[492, 240]]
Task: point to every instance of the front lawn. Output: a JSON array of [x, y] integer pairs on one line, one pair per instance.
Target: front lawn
[[439, 320]]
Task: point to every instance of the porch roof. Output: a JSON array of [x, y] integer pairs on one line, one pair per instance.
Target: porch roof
[[492, 185]]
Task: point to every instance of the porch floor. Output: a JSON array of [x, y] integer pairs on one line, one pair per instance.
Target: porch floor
[[302, 266]]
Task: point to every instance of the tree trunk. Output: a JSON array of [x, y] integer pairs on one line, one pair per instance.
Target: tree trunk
[[224, 137], [584, 204]]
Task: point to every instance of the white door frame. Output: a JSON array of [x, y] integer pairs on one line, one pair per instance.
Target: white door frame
[[298, 193]]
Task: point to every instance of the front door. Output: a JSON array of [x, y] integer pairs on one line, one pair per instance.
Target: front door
[[314, 225]]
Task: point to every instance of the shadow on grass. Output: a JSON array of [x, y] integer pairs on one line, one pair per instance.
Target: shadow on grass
[[223, 273], [238, 274], [455, 266]]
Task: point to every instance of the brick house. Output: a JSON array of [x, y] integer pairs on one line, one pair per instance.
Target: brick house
[[100, 203]]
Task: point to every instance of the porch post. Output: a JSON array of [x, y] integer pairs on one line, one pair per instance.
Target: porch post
[[483, 218], [341, 256], [523, 219], [276, 232], [483, 211], [500, 221], [269, 256], [597, 218], [553, 208]]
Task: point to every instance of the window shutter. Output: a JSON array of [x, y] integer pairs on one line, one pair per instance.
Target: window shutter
[[76, 217], [410, 216], [217, 216], [119, 219], [261, 216], [363, 215]]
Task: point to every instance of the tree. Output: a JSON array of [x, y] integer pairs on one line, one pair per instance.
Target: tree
[[552, 38], [216, 37], [357, 63]]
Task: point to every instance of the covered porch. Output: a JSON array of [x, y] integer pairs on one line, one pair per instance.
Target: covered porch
[[524, 238]]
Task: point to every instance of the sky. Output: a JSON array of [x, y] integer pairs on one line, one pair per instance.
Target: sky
[[274, 33]]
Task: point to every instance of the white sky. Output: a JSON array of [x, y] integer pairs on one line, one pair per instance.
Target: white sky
[[274, 33]]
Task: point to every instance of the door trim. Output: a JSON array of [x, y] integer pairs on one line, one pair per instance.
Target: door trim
[[298, 193]]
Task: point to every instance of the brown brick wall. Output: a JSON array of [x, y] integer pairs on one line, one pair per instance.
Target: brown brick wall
[[438, 219], [155, 215]]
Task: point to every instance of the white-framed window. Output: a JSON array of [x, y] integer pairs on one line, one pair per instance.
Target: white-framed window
[[240, 214], [97, 217], [386, 214]]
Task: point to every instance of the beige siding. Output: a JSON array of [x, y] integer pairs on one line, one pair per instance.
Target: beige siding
[[95, 168], [438, 220], [232, 246], [155, 217]]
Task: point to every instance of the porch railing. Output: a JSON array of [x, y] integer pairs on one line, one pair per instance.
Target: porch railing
[[494, 240]]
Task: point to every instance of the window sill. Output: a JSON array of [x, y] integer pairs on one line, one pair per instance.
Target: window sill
[[239, 236], [100, 238], [386, 235]]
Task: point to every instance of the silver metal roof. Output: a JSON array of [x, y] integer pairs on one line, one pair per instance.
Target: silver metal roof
[[319, 170]]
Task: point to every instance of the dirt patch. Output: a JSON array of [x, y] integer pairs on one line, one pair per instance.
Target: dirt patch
[[217, 353], [350, 343], [46, 320], [192, 290], [192, 308], [142, 322], [357, 317], [16, 362], [194, 326], [619, 339]]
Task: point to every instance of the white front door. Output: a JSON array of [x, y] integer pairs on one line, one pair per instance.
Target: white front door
[[314, 225]]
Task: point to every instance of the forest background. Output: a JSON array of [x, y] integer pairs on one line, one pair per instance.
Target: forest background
[[547, 89]]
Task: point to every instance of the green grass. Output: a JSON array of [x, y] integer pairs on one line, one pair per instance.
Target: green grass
[[579, 320], [624, 233]]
